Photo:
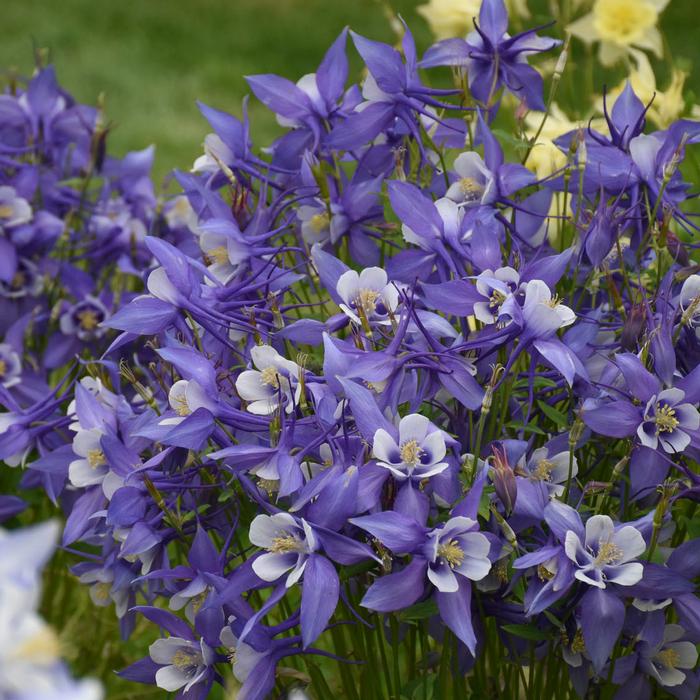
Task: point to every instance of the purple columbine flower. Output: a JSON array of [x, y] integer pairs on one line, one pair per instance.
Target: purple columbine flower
[[666, 420], [315, 222], [544, 314], [14, 210], [274, 381], [496, 287], [183, 662], [689, 302], [494, 58], [369, 294], [10, 366], [456, 548], [606, 553], [288, 546], [550, 470], [418, 453], [84, 319], [26, 281], [476, 184], [91, 466], [666, 660]]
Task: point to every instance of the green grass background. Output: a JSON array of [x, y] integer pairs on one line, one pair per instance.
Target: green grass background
[[154, 58]]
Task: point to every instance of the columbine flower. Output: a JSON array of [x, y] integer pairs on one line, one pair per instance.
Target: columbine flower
[[84, 319], [476, 183], [273, 382], [456, 548], [605, 555], [690, 302], [183, 662], [550, 470], [621, 25], [10, 366], [14, 210], [419, 452], [368, 294], [666, 421], [92, 466], [185, 397], [496, 287], [493, 58], [315, 223], [664, 660], [26, 281], [544, 314], [288, 546]]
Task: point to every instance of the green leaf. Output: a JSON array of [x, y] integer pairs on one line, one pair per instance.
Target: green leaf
[[420, 611], [526, 632], [557, 417], [529, 428]]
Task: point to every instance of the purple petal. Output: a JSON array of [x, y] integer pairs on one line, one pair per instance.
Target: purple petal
[[456, 613], [319, 597], [398, 590]]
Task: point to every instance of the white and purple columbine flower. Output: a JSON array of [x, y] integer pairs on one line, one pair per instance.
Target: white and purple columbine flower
[[496, 286], [476, 184], [368, 294], [288, 546], [544, 314], [91, 467], [315, 222], [274, 381], [185, 397], [689, 301], [84, 319], [666, 660], [667, 420], [456, 548], [10, 366], [26, 281], [419, 452], [606, 554], [183, 662], [14, 210], [550, 470]]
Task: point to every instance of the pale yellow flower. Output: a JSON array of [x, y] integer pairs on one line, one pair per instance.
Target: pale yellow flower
[[454, 18], [668, 105], [545, 158], [620, 26]]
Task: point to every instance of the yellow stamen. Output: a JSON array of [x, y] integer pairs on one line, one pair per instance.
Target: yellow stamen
[[270, 377], [411, 452], [451, 552], [101, 590], [95, 458], [286, 544], [41, 648], [665, 419], [578, 646], [181, 406], [608, 553], [471, 189], [367, 299], [543, 471], [319, 222], [186, 660], [670, 658], [18, 281], [3, 368], [623, 22], [88, 319], [543, 573], [218, 255]]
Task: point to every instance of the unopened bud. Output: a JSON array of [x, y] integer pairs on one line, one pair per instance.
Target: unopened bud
[[506, 529], [676, 248], [633, 326], [503, 479]]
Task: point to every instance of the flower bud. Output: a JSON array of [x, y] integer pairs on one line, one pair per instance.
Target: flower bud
[[503, 479], [632, 328]]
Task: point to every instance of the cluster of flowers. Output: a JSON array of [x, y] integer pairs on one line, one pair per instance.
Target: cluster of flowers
[[397, 402], [73, 224]]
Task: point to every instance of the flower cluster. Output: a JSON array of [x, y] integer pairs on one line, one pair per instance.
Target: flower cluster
[[397, 401]]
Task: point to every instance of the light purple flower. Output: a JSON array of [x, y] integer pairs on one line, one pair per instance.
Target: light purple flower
[[183, 662], [369, 293], [418, 453], [605, 555], [666, 421]]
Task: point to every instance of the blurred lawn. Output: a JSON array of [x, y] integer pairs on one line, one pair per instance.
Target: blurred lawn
[[153, 58]]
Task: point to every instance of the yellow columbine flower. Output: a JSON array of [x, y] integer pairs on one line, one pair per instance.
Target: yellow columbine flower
[[454, 18], [619, 26]]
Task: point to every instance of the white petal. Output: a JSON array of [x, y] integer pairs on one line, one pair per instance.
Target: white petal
[[630, 541], [163, 650], [170, 678], [250, 387], [413, 427], [625, 574], [373, 278], [348, 286], [434, 443], [599, 528], [384, 447], [443, 578], [271, 565]]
